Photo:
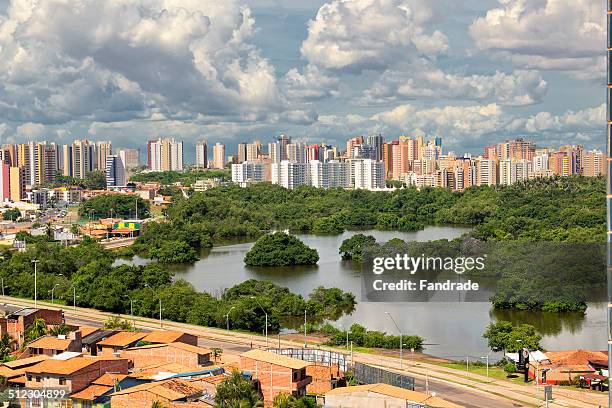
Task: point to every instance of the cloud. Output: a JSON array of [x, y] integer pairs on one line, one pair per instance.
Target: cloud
[[31, 130], [130, 59], [422, 79], [570, 121], [565, 35], [310, 84], [369, 34]]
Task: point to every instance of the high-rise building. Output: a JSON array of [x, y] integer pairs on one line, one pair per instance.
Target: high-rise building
[[367, 174], [283, 140], [115, 171], [351, 143], [103, 149], [296, 152], [5, 188], [252, 151], [129, 157], [202, 154], [247, 172], [17, 183], [218, 156], [290, 174], [274, 152], [242, 152], [82, 157], [165, 155], [593, 164], [377, 142]]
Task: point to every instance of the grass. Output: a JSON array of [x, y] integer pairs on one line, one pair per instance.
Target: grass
[[495, 372]]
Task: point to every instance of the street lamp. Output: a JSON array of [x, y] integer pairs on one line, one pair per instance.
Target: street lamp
[[52, 292], [487, 359], [227, 317], [401, 340], [74, 297], [131, 309], [266, 313], [35, 261]]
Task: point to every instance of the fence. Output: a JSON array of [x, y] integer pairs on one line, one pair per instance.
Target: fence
[[321, 357], [365, 374]]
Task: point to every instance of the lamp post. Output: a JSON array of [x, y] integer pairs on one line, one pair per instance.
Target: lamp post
[[401, 340], [305, 338], [227, 317], [266, 313], [131, 310], [74, 297], [35, 261], [160, 313], [487, 360], [52, 292], [2, 286]]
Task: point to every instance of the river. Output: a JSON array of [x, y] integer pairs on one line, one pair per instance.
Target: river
[[451, 330]]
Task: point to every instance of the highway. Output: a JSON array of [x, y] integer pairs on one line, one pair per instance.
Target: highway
[[467, 389]]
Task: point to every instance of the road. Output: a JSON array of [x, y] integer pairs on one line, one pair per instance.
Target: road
[[468, 389]]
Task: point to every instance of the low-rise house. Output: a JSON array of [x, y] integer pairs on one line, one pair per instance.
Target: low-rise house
[[90, 340], [564, 367], [15, 321], [17, 368], [53, 345], [181, 353], [117, 342], [380, 396], [72, 374], [276, 374], [170, 336], [97, 394], [168, 392]]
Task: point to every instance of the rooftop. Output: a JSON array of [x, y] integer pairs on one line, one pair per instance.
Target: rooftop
[[575, 357], [276, 359], [50, 342], [178, 345], [396, 392], [87, 330], [66, 367], [173, 389], [122, 339], [23, 362], [97, 336], [163, 336], [92, 392]]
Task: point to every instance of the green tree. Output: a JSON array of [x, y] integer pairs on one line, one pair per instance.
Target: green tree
[[174, 252], [7, 346], [95, 180], [503, 335], [353, 247], [216, 352], [37, 329], [117, 323], [12, 214], [280, 249], [237, 391], [117, 205], [59, 329]]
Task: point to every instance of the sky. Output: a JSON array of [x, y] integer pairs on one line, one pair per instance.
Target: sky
[[474, 72]]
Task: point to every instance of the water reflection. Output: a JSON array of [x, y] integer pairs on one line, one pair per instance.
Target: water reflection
[[548, 324]]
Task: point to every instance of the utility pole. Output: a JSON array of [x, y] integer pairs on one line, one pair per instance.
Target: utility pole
[[35, 261], [401, 350], [74, 298], [160, 314], [305, 338]]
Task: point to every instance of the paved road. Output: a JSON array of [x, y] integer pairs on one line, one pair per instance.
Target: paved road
[[470, 390]]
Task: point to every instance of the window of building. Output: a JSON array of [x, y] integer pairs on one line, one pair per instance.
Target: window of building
[[62, 381], [38, 379], [295, 376], [29, 377]]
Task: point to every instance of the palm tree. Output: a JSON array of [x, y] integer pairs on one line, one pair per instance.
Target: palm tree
[[7, 344], [216, 352], [58, 329], [157, 404], [237, 391], [37, 329]]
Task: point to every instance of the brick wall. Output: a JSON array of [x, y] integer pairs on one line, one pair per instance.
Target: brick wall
[[274, 379], [147, 356]]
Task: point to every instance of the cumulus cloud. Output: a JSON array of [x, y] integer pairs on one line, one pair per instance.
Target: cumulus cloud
[[422, 79], [546, 34], [570, 121], [128, 59], [362, 34], [310, 84]]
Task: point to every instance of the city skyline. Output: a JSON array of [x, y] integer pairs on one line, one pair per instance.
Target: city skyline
[[471, 73]]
